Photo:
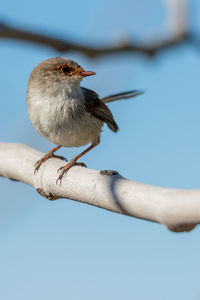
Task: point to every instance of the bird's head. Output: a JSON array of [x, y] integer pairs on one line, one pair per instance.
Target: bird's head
[[58, 71]]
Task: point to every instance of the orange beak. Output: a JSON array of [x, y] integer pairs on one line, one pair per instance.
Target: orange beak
[[87, 73]]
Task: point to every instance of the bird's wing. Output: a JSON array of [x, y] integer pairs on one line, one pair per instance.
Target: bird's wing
[[98, 109], [124, 95]]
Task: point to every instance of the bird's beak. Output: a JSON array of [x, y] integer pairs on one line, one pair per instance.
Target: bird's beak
[[86, 73]]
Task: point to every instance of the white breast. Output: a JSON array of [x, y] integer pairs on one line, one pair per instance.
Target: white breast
[[63, 120]]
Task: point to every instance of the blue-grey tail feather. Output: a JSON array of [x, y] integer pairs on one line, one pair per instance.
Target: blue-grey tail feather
[[124, 95]]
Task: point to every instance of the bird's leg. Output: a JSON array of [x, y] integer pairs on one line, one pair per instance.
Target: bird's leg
[[64, 169], [47, 156]]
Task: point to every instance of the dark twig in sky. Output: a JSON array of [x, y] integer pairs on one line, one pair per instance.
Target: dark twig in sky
[[64, 45]]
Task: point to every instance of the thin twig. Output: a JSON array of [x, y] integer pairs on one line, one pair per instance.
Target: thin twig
[[64, 45]]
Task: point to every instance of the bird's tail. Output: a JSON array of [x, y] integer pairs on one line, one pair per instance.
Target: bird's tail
[[124, 95]]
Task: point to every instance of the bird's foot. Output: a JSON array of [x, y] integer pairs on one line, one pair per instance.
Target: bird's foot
[[64, 169], [44, 158], [59, 156]]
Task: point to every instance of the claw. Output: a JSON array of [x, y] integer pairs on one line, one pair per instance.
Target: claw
[[81, 164], [38, 164], [60, 170], [50, 154], [59, 156], [64, 169]]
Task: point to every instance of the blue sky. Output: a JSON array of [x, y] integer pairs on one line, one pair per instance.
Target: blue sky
[[68, 250]]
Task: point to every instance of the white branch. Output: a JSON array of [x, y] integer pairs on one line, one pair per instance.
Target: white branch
[[177, 16], [177, 209]]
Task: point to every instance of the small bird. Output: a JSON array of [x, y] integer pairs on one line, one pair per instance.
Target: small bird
[[65, 113]]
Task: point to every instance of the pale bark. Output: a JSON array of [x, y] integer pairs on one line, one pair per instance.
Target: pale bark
[[177, 209]]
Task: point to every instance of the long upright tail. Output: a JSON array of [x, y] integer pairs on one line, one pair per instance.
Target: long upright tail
[[124, 95]]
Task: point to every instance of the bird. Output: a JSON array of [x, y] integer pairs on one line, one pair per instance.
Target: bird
[[64, 112]]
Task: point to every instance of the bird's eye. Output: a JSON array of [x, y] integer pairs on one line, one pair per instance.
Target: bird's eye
[[66, 70]]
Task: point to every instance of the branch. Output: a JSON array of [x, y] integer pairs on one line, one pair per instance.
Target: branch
[[179, 210], [177, 16], [61, 45]]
